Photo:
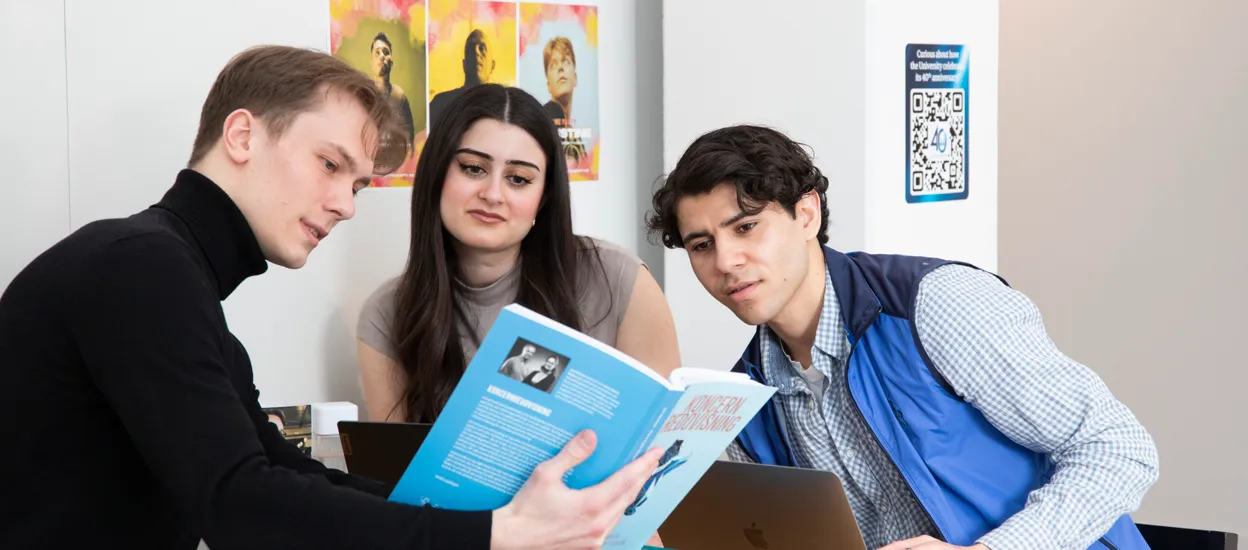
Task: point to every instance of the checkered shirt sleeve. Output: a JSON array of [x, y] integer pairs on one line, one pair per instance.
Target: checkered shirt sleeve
[[989, 341]]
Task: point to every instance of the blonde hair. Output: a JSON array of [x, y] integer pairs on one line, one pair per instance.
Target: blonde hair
[[277, 83], [557, 44]]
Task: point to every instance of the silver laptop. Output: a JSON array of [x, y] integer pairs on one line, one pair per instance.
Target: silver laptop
[[739, 506]]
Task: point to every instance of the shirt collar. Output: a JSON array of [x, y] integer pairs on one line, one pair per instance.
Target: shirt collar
[[829, 337], [830, 340], [219, 228]]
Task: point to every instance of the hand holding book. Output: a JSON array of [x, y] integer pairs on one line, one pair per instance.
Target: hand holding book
[[545, 513]]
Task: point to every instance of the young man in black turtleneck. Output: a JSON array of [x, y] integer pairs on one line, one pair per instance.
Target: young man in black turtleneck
[[130, 417]]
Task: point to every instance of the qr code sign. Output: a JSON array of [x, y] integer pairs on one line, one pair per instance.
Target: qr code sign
[[937, 143]]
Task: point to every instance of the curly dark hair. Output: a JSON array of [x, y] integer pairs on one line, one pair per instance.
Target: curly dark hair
[[763, 165]]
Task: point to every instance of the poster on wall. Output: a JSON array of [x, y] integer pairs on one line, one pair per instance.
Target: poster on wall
[[470, 43], [937, 122], [559, 66], [386, 40]]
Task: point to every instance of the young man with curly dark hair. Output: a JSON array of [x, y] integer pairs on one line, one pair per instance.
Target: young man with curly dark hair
[[929, 387]]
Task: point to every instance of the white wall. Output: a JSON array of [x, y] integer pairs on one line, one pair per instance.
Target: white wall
[[138, 72], [647, 34], [1122, 216], [964, 230], [35, 188]]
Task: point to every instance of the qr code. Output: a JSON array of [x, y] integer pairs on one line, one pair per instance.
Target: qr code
[[937, 141]]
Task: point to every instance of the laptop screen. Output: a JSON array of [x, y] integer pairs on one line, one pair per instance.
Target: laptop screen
[[380, 450]]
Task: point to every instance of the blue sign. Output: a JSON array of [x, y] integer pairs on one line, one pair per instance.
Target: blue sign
[[938, 117]]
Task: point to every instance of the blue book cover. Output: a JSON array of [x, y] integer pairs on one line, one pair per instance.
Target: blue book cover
[[535, 383]]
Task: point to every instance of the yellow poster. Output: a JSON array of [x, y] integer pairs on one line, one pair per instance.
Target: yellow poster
[[470, 43]]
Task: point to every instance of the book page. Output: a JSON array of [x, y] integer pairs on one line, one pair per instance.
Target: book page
[[686, 376], [495, 425]]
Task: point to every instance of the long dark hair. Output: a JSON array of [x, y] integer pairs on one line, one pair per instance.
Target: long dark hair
[[427, 318]]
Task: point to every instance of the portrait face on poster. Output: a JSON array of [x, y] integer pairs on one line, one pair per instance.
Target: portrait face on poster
[[385, 39], [470, 43], [558, 58]]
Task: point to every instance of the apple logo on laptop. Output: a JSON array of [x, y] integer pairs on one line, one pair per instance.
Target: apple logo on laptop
[[755, 536]]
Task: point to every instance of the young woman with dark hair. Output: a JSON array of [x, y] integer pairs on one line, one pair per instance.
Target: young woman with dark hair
[[491, 224]]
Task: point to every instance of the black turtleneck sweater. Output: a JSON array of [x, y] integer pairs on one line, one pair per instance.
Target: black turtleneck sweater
[[128, 416]]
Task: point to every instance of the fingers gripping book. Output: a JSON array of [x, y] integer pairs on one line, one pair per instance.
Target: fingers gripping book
[[535, 383]]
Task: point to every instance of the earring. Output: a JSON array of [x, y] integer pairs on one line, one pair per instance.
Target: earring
[[534, 221]]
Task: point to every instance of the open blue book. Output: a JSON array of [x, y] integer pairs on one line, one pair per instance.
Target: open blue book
[[535, 383]]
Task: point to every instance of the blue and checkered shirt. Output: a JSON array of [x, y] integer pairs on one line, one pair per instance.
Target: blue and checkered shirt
[[989, 341]]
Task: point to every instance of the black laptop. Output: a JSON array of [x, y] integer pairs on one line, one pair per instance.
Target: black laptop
[[380, 450]]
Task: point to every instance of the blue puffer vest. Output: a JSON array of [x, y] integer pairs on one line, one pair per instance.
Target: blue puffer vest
[[968, 476]]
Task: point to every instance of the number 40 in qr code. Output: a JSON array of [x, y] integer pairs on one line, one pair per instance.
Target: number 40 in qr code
[[937, 142]]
